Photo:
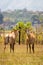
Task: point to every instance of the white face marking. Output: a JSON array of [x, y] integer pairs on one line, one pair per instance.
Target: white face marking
[[12, 35]]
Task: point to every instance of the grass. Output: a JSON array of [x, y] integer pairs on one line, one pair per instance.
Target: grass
[[20, 55]]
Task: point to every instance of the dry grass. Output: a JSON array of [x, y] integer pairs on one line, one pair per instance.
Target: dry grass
[[20, 56]]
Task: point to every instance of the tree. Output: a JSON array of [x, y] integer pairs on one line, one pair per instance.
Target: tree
[[22, 27], [28, 26]]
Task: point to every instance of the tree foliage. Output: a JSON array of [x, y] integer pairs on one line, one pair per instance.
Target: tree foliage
[[21, 26]]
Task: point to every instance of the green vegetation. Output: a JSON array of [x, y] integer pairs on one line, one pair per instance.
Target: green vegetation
[[13, 17], [20, 55], [23, 27]]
